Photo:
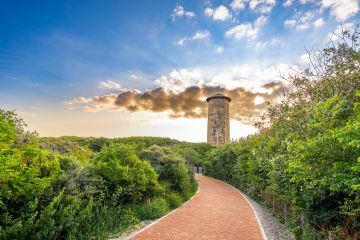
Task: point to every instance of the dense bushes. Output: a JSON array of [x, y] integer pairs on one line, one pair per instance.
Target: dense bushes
[[153, 209], [306, 164], [315, 172], [170, 167], [85, 188], [127, 179]]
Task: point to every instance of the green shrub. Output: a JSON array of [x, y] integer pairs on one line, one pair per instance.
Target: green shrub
[[128, 180], [170, 166], [306, 161], [152, 209], [57, 188], [188, 193], [173, 199]]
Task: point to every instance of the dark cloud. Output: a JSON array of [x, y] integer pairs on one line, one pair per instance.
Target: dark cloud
[[190, 102]]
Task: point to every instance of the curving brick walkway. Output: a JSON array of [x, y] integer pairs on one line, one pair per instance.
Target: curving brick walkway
[[218, 211]]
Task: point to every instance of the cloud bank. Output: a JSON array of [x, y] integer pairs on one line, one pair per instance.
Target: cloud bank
[[247, 106]]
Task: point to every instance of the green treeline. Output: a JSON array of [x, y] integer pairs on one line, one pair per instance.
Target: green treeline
[[88, 188], [305, 162]]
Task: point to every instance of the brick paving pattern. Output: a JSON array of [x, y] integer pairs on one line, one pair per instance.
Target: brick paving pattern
[[217, 212]]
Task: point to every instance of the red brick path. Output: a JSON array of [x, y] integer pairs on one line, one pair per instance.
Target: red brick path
[[217, 212]]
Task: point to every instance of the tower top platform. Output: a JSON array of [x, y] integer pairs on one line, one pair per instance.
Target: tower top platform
[[216, 96]]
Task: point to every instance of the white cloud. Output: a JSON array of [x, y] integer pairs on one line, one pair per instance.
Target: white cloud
[[258, 100], [190, 14], [135, 76], [290, 23], [304, 58], [246, 30], [342, 9], [306, 17], [220, 13], [209, 11], [78, 100], [261, 21], [334, 36], [261, 45], [179, 11], [178, 80], [288, 3], [250, 76], [220, 49], [109, 84], [242, 31], [198, 36], [181, 41], [302, 26], [262, 6], [138, 75], [319, 22], [238, 5], [303, 21]]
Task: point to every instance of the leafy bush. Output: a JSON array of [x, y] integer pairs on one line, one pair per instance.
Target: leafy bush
[[174, 200], [170, 166], [306, 162], [128, 179], [152, 209], [67, 147], [82, 188]]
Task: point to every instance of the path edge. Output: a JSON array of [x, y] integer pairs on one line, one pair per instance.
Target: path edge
[[168, 214], [252, 207]]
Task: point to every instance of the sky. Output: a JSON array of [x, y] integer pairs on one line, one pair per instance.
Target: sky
[[144, 68]]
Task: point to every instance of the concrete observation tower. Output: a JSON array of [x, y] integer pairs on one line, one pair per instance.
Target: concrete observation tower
[[218, 132]]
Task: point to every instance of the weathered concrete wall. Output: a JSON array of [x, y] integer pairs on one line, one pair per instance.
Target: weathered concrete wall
[[218, 120]]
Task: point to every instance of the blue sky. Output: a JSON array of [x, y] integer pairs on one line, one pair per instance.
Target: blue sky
[[53, 52]]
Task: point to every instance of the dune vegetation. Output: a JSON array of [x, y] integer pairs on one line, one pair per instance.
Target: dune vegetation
[[305, 162], [87, 188]]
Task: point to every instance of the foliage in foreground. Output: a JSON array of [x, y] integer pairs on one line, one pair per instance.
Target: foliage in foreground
[[306, 165], [85, 188]]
